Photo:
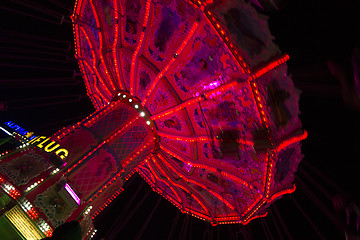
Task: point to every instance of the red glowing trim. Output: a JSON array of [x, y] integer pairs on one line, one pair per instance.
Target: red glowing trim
[[253, 205], [94, 61], [173, 201], [194, 195], [177, 108], [101, 144], [115, 3], [221, 33], [81, 64], [177, 204], [111, 181], [168, 182], [95, 116], [200, 201], [273, 64], [292, 140], [98, 25], [199, 164], [253, 210], [254, 217], [193, 100], [183, 138], [270, 170], [32, 213], [257, 97], [136, 53], [86, 122], [14, 193], [280, 193], [164, 70], [245, 142], [138, 151], [106, 203], [188, 179], [142, 166], [87, 83], [77, 8], [9, 189], [132, 71]]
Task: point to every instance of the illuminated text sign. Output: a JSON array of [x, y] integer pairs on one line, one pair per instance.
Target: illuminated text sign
[[20, 130], [50, 146]]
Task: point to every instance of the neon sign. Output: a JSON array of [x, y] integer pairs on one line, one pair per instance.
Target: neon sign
[[20, 130], [50, 146], [72, 193]]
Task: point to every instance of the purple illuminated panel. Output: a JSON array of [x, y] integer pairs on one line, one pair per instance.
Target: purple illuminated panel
[[72, 193]]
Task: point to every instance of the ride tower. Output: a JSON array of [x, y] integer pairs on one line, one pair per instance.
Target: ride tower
[[192, 95]]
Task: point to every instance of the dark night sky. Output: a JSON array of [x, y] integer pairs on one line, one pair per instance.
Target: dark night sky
[[39, 81]]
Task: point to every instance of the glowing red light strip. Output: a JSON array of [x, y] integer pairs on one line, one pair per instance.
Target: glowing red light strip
[[76, 8], [199, 164], [255, 208], [132, 71], [9, 188], [273, 64], [106, 203], [101, 144], [194, 195], [99, 26], [168, 182], [101, 113], [280, 193], [167, 176], [254, 217], [270, 169], [142, 165], [177, 108], [95, 85], [229, 217], [113, 180], [259, 103], [188, 179], [255, 203], [198, 4], [254, 88], [221, 33], [76, 33], [183, 138], [135, 56], [170, 198], [292, 140], [198, 138], [138, 151], [182, 177], [164, 70], [193, 100], [94, 61], [116, 36]]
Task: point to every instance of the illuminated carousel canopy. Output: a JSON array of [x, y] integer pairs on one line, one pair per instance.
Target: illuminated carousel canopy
[[217, 92]]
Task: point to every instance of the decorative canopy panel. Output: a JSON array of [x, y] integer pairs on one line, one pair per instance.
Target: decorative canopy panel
[[217, 89]]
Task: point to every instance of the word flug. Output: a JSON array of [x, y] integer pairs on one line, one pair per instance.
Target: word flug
[[50, 146]]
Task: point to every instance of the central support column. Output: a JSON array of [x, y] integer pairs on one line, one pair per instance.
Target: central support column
[[97, 156]]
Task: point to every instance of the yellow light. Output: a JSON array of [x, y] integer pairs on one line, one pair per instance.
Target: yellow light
[[23, 224]]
